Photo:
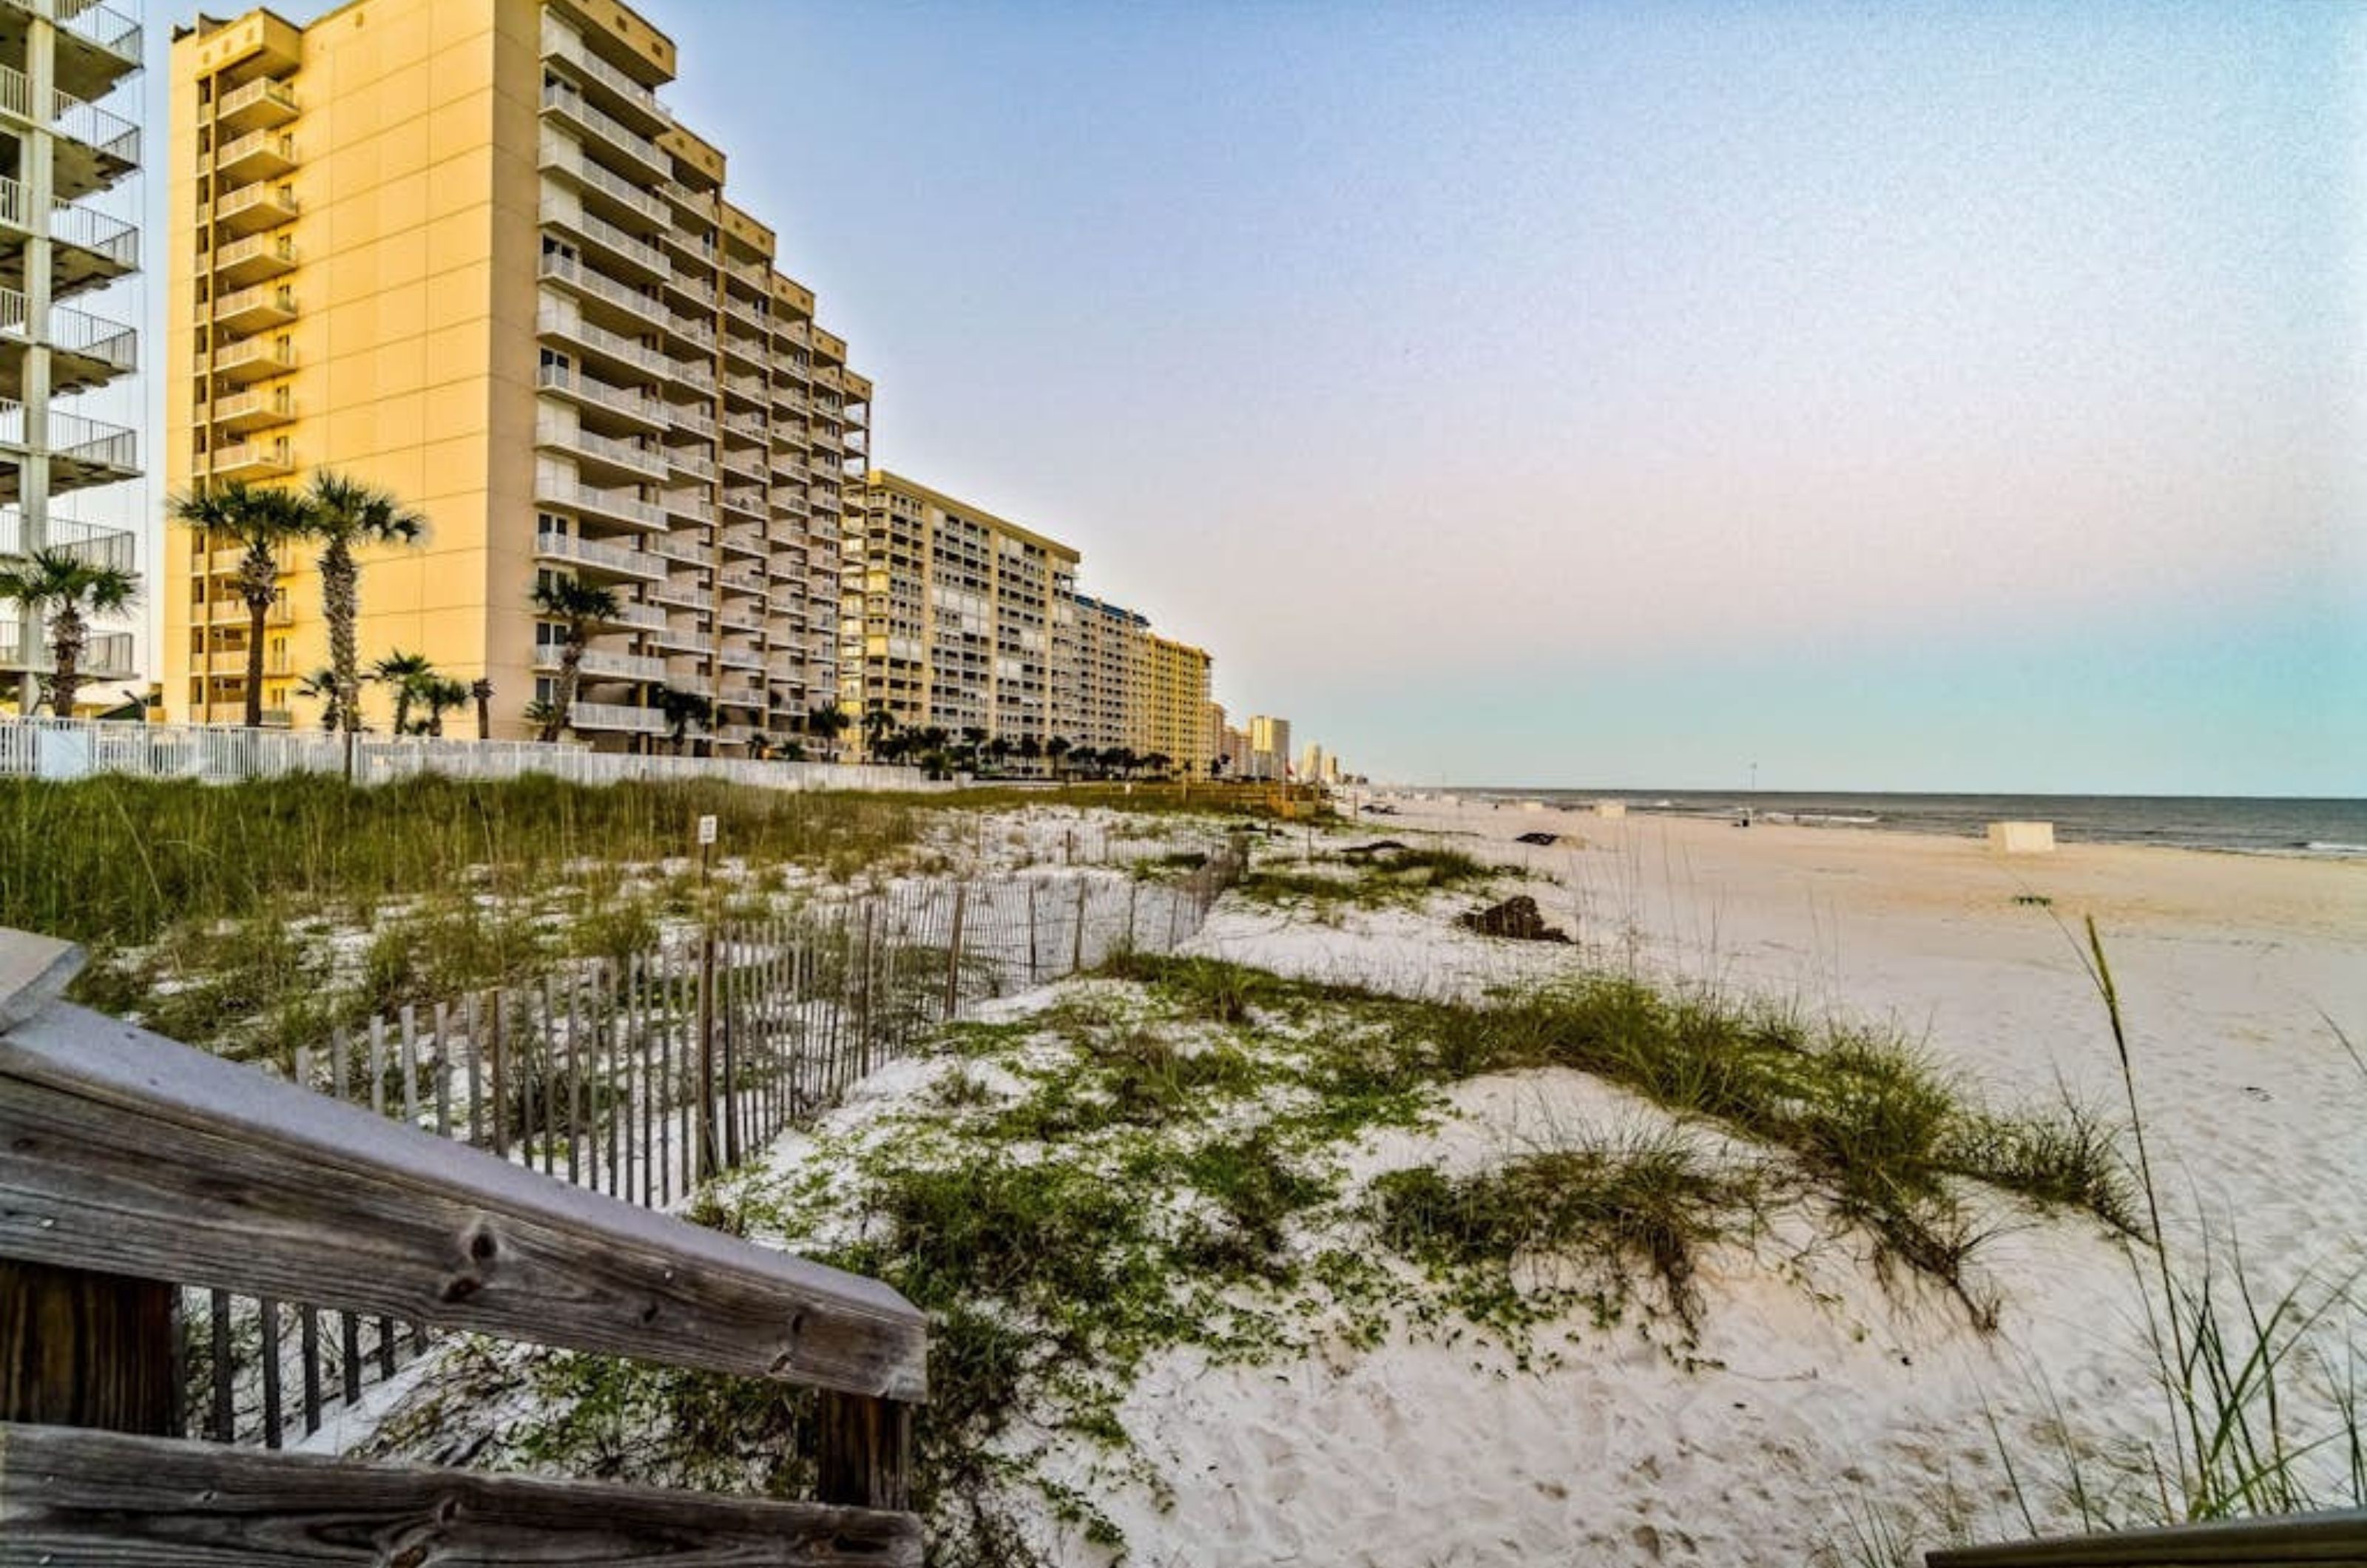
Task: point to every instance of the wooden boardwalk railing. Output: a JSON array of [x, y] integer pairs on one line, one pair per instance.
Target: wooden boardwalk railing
[[2317, 1540], [131, 1165]]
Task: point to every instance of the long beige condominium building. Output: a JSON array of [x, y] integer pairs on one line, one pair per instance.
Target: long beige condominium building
[[460, 250], [1179, 707], [62, 158], [1103, 694], [949, 616]]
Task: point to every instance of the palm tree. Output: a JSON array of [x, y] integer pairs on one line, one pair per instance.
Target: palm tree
[[346, 511], [407, 674], [826, 721], [321, 686], [681, 709], [63, 585], [262, 521], [877, 726], [578, 606], [1056, 748], [442, 694], [481, 691], [1156, 762]]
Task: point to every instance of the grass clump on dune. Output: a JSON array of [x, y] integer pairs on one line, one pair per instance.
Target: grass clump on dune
[[1876, 1128], [1646, 1205]]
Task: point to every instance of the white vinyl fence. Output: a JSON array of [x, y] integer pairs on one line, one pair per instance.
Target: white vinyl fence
[[77, 748]]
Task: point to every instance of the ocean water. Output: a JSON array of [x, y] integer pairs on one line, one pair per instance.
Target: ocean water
[[2318, 829]]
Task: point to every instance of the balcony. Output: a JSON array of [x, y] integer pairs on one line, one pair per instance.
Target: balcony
[[680, 546], [88, 248], [596, 396], [258, 104], [88, 542], [641, 617], [596, 184], [93, 147], [600, 558], [97, 45], [590, 450], [745, 502], [640, 309], [85, 351], [568, 104], [618, 717], [257, 155], [691, 461], [689, 504], [253, 359], [253, 259], [567, 326], [696, 421], [251, 459], [83, 452], [599, 664], [251, 208], [621, 92], [105, 657], [254, 310], [692, 373], [744, 538], [691, 330], [683, 594], [615, 250], [259, 408], [621, 506], [742, 619]]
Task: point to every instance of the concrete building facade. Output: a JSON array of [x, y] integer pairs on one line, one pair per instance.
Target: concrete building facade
[[1269, 747], [950, 616], [460, 250], [1180, 679], [1111, 705], [63, 156]]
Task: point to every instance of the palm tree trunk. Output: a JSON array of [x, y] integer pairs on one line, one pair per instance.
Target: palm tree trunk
[[483, 692], [562, 707], [66, 635], [340, 606], [258, 573]]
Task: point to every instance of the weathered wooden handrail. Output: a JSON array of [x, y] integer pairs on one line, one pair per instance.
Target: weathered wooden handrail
[[2281, 1542], [126, 1152], [70, 1496], [131, 1164]]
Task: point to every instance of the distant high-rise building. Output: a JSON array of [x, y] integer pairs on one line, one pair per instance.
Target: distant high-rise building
[[949, 618], [1269, 747], [1180, 677], [458, 249], [1106, 699], [66, 154]]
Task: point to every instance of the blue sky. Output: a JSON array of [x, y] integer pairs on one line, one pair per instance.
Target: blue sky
[[1938, 397]]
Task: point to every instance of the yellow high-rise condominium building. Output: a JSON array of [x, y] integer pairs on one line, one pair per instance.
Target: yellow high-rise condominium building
[[1178, 705], [1104, 696], [458, 249], [63, 157], [950, 615]]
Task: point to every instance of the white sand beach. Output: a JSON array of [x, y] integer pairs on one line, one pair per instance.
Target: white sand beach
[[1807, 1412]]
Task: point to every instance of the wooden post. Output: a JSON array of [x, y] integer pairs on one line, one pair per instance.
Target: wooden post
[[85, 1349], [702, 1120], [866, 1452], [1033, 968], [953, 960], [1077, 957]]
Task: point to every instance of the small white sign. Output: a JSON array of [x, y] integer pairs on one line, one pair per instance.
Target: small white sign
[[706, 829]]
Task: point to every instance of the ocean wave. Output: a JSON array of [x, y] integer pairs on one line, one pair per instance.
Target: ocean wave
[[2332, 847]]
